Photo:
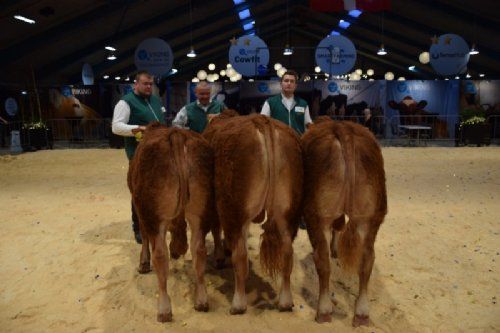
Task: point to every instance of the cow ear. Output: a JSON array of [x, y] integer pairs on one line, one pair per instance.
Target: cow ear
[[394, 105], [422, 104]]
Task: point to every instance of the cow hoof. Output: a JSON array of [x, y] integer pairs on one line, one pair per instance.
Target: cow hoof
[[144, 268], [164, 317], [237, 311], [323, 318], [285, 308], [219, 264], [201, 307], [360, 320]]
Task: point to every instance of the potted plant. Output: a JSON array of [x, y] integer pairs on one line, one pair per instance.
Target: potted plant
[[36, 135], [474, 130]]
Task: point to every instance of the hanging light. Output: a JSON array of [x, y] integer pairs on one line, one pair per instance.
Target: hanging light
[[287, 50], [195, 79], [111, 56], [317, 69], [473, 50], [382, 50], [191, 53], [401, 78]]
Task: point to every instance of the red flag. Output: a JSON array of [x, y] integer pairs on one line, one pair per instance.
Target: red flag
[[327, 5], [373, 5], [341, 5]]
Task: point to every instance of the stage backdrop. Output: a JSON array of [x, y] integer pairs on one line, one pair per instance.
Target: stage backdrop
[[442, 98]]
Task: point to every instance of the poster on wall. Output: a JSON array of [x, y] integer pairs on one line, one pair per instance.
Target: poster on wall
[[426, 103], [249, 55]]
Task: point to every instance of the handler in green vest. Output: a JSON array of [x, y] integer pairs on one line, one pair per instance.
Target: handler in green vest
[[286, 107], [131, 116], [197, 115]]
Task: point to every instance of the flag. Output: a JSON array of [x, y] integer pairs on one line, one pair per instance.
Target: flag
[[340, 5]]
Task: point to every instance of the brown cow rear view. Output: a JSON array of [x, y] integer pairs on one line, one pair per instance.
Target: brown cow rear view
[[170, 178], [258, 174], [344, 176]]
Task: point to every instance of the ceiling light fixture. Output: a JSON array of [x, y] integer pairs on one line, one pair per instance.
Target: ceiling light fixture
[[191, 53], [24, 19]]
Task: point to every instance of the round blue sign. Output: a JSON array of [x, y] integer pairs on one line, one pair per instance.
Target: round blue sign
[[333, 87], [449, 54], [262, 87], [155, 56], [66, 91], [11, 106], [335, 55], [87, 74], [402, 87], [249, 56]]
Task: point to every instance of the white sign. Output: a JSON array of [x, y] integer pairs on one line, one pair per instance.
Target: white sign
[[11, 106], [87, 75], [155, 56]]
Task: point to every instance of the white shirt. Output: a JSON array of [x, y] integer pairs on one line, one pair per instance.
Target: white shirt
[[121, 116], [181, 119], [289, 103]]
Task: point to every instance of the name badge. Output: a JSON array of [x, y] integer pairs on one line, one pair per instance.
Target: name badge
[[300, 109], [163, 109]]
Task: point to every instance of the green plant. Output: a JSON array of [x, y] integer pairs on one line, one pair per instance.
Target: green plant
[[35, 125], [473, 121]]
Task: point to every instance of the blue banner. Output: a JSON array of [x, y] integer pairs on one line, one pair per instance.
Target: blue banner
[[155, 56], [335, 55], [449, 54]]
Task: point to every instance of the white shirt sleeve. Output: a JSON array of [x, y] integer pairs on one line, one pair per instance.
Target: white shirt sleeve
[[266, 109], [121, 116], [307, 117], [181, 118]]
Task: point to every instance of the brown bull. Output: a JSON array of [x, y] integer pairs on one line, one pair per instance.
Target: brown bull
[[171, 180], [258, 177], [344, 176]]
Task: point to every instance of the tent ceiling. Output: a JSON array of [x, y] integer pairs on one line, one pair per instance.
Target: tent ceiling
[[68, 34]]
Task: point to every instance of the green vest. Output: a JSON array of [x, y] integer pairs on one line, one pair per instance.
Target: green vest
[[142, 113], [197, 117], [294, 118]]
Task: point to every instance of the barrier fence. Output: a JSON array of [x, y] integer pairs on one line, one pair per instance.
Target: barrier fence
[[391, 131]]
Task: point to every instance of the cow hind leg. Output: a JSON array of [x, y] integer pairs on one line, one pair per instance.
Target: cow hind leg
[[239, 259], [218, 245], [361, 312], [320, 235], [199, 254], [160, 262], [145, 257]]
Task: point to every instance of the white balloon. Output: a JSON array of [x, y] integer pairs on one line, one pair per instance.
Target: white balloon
[[222, 73], [195, 79], [317, 69], [281, 71], [277, 66], [424, 57], [211, 67], [370, 72], [401, 78], [202, 75], [358, 71], [229, 66], [231, 72], [389, 76]]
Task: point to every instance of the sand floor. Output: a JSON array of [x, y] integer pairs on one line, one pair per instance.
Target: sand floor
[[68, 259]]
